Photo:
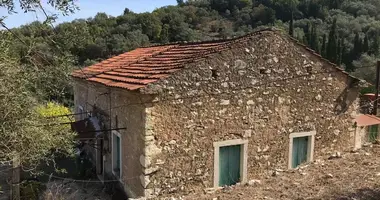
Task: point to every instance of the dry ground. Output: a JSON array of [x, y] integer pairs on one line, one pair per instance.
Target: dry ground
[[355, 176], [66, 190]]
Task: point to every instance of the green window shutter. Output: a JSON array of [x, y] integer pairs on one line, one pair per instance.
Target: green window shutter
[[118, 153], [300, 147], [373, 132], [229, 165]]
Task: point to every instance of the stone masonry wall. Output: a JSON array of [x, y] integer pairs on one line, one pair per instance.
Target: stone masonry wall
[[249, 91], [125, 110]]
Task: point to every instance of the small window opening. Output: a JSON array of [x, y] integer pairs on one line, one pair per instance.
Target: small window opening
[[214, 74], [309, 69], [301, 148], [262, 71], [230, 162], [229, 165]]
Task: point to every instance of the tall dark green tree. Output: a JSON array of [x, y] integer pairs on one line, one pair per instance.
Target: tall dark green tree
[[357, 50], [323, 48], [308, 34], [343, 51], [331, 50], [314, 44], [304, 40], [335, 4], [339, 52], [164, 37], [127, 11], [291, 26], [366, 44], [375, 45], [180, 2]]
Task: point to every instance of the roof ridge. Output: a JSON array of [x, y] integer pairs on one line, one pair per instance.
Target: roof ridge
[[210, 51], [213, 40]]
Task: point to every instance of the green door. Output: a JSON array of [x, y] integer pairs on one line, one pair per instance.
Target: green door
[[300, 146], [229, 165], [373, 131]]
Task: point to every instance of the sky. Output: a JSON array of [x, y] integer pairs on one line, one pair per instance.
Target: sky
[[88, 8]]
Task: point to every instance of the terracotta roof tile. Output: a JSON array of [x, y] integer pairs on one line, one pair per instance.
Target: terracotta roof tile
[[135, 69], [125, 79], [134, 75], [146, 71], [154, 68], [116, 84]]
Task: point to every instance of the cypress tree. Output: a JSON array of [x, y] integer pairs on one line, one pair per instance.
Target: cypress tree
[[331, 53], [317, 45], [180, 2], [164, 37], [291, 26], [375, 46], [334, 4], [308, 34], [348, 58], [339, 52], [323, 49], [304, 40], [342, 51], [357, 50], [366, 44], [350, 67], [314, 38]]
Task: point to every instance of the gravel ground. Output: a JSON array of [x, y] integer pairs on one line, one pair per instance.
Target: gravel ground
[[354, 176]]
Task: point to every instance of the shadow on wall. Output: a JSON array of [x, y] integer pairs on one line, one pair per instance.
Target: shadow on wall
[[347, 97], [359, 194]]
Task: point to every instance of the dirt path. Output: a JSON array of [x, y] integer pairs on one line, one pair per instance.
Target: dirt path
[[355, 176]]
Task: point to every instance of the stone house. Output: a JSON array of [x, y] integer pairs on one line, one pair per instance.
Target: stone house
[[183, 117]]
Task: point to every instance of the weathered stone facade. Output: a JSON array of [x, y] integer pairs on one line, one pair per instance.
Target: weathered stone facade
[[261, 89], [121, 110]]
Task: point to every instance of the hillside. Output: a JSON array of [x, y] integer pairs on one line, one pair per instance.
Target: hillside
[[344, 31]]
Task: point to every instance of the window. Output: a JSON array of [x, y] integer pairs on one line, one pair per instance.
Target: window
[[116, 153], [230, 162], [301, 148], [214, 74], [373, 132]]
